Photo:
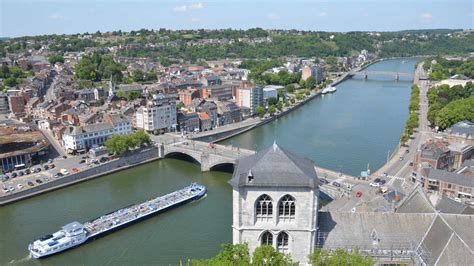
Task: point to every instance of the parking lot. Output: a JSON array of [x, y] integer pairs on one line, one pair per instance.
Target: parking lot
[[62, 167]]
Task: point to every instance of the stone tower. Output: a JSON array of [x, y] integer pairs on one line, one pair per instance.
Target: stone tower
[[275, 199]]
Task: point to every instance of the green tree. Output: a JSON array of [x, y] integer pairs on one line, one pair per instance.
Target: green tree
[[290, 88], [271, 109], [138, 75], [339, 257], [229, 255], [180, 105], [53, 59], [279, 106], [129, 95], [260, 111], [310, 82], [267, 255], [272, 101]]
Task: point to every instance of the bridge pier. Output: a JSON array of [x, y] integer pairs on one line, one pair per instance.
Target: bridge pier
[[205, 162], [365, 75], [398, 76]]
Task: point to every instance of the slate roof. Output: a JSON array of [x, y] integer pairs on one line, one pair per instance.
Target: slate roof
[[447, 205], [441, 175], [442, 239], [463, 128], [415, 202], [274, 167]]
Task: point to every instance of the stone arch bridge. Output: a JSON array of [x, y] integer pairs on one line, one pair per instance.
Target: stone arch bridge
[[207, 155]]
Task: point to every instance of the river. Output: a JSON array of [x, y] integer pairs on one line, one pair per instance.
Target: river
[[357, 125]]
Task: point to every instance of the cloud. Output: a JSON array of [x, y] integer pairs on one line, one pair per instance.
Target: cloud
[[426, 17], [273, 16], [56, 17], [323, 14], [189, 7]]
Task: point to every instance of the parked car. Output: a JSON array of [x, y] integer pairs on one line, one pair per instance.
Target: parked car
[[52, 166], [27, 171], [46, 167], [376, 183], [30, 184], [385, 174], [39, 181], [5, 190], [382, 182], [19, 186], [64, 157], [324, 181], [411, 164], [50, 160], [401, 158], [14, 175], [407, 151], [37, 170], [75, 170], [21, 173], [103, 160], [11, 188], [82, 161], [336, 184]]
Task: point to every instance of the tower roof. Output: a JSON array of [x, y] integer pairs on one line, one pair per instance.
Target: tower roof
[[274, 167]]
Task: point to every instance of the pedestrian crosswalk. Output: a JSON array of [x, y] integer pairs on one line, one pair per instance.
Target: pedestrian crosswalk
[[392, 179]]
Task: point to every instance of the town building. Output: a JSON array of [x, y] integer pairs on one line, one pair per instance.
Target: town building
[[20, 145], [315, 71], [250, 97], [205, 122], [271, 91], [188, 95], [158, 114], [82, 138], [219, 92], [4, 108], [188, 122], [275, 202], [16, 104], [449, 184], [434, 153], [460, 152], [462, 132], [228, 113]]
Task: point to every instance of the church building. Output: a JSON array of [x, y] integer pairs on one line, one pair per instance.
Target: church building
[[275, 200]]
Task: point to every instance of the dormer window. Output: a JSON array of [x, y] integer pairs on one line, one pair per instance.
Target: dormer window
[[250, 176]]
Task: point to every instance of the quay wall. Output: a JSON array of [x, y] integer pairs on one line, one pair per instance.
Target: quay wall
[[142, 156]]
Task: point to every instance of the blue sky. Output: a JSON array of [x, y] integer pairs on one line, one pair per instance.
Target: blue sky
[[35, 17]]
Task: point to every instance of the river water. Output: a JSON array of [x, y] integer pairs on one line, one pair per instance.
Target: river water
[[344, 131]]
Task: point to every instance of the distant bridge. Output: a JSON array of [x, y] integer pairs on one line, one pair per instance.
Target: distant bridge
[[394, 74]]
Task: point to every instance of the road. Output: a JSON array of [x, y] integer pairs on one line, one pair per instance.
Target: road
[[398, 168]]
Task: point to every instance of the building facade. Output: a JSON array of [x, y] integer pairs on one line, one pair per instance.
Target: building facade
[[275, 199], [82, 138], [250, 97], [159, 114]]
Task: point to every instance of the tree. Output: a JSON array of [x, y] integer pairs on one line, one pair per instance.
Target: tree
[[279, 106], [129, 95], [180, 105], [272, 101], [271, 109], [138, 75], [290, 88], [267, 255], [339, 257], [310, 82], [229, 255], [260, 111], [53, 59]]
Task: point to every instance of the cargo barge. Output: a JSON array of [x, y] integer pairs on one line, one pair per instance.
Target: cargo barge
[[74, 234]]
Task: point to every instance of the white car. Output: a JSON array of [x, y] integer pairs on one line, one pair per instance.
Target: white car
[[5, 190], [19, 186], [11, 188], [375, 184]]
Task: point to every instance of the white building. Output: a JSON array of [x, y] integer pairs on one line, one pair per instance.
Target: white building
[[82, 138], [250, 97], [275, 199], [271, 91], [157, 114]]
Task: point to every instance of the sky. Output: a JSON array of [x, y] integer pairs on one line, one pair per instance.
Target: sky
[[37, 17]]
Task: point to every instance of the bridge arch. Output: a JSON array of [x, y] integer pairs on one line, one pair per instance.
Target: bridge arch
[[183, 156], [223, 167]]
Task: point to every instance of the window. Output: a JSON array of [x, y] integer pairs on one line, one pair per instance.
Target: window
[[267, 239], [264, 208], [286, 208], [282, 242]]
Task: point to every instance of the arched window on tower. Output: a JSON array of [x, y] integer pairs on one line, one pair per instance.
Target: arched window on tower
[[264, 208], [286, 208], [282, 242], [267, 239]]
